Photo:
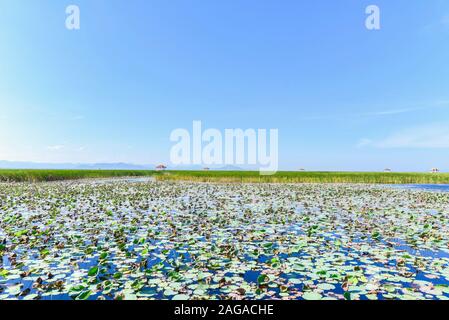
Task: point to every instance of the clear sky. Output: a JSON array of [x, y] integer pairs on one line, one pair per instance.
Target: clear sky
[[342, 97]]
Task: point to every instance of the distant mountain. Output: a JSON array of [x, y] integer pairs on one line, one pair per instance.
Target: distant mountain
[[104, 166], [114, 166], [186, 167], [73, 166], [201, 168]]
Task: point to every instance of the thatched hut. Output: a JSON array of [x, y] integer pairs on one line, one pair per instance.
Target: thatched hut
[[161, 167]]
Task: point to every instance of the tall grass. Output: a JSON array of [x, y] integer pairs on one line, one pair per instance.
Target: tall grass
[[229, 176], [307, 177], [55, 175]]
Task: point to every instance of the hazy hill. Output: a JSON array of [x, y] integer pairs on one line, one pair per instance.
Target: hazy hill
[[73, 166]]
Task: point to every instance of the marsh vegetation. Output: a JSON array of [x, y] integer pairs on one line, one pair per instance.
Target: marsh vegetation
[[229, 176], [12, 175]]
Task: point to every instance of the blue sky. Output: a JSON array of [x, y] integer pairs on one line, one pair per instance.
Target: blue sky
[[342, 97]]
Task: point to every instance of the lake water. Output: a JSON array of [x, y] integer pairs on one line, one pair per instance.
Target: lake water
[[425, 187]]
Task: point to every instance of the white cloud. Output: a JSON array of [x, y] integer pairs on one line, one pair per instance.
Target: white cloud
[[364, 142], [431, 136], [442, 103], [55, 148], [390, 112], [445, 21], [430, 105], [383, 113], [437, 25]]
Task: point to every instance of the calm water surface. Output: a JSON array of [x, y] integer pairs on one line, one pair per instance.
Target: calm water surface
[[425, 187]]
